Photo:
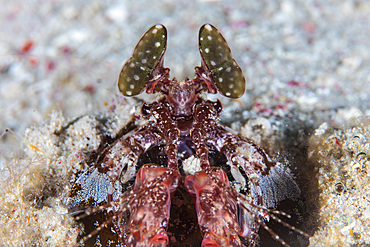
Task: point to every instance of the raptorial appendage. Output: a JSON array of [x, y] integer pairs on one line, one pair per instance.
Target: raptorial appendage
[[150, 206], [216, 209]]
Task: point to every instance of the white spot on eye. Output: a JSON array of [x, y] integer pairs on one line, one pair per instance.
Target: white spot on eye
[[132, 86], [201, 39], [163, 36], [213, 62], [231, 86], [132, 65], [136, 77], [158, 26], [147, 51], [143, 60], [157, 44], [208, 27], [209, 37], [128, 93], [142, 68], [228, 94], [221, 68], [231, 78], [206, 50], [154, 57], [155, 30], [128, 79], [235, 91], [220, 79], [228, 69]]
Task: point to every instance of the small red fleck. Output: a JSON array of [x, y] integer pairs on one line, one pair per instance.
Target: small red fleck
[[89, 88], [66, 50], [137, 117], [309, 27], [50, 65], [336, 141], [257, 104], [13, 211], [295, 83], [282, 107], [60, 162], [77, 156], [265, 110], [33, 61], [27, 46], [329, 179]]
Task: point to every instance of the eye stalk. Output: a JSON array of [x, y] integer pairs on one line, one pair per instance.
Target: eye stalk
[[218, 65], [182, 97], [145, 66]]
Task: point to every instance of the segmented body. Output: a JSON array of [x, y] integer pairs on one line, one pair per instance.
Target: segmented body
[[182, 131]]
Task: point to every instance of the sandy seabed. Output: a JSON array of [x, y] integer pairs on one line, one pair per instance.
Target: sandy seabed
[[307, 66]]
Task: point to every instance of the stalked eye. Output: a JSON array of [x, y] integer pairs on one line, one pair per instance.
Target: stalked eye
[[216, 56], [147, 55]]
